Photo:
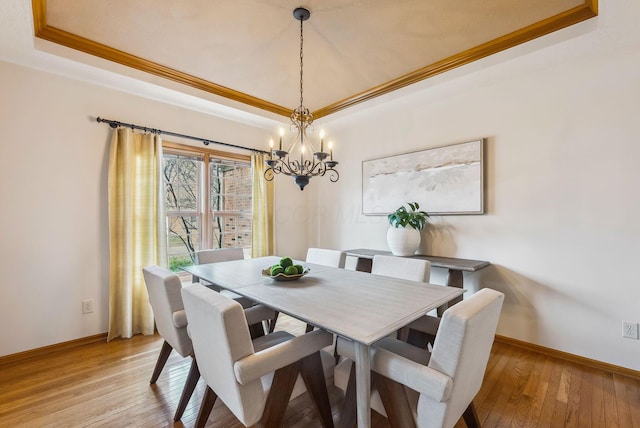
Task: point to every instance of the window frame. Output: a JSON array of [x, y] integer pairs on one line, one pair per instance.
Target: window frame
[[203, 211]]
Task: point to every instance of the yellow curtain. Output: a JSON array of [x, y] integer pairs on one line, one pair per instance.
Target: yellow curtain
[[136, 228], [263, 201]]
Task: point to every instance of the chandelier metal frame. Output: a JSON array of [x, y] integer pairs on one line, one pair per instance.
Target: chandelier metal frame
[[280, 161]]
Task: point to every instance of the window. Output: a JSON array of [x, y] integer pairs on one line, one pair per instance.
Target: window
[[208, 202]]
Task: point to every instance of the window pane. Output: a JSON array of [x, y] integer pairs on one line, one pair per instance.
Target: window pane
[[231, 186], [232, 231], [182, 233], [231, 206], [181, 182]]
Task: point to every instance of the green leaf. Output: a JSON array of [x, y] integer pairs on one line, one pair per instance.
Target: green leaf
[[403, 218]]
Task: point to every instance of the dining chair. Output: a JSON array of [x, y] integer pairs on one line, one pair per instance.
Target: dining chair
[[225, 255], [163, 287], [222, 255], [404, 268], [254, 378], [401, 267], [325, 257], [417, 388], [319, 256]]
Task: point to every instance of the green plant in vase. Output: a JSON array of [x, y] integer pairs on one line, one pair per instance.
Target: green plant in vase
[[403, 235]]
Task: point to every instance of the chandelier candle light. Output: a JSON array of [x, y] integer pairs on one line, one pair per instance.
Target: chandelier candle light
[[311, 163]]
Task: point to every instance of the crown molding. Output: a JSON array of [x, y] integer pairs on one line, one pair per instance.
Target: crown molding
[[43, 31], [570, 17], [565, 19]]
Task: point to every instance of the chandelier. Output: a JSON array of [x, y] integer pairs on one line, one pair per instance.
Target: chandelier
[[301, 161]]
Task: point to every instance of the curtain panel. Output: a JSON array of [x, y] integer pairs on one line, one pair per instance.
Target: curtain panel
[[263, 219], [137, 236]]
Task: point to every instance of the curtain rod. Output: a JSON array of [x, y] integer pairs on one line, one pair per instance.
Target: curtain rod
[[115, 124]]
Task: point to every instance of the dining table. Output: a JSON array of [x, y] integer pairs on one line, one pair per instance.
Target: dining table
[[358, 306]]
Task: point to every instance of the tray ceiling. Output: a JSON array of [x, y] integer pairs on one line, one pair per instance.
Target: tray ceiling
[[248, 51]]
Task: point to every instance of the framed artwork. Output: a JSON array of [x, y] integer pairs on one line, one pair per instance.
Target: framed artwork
[[443, 180]]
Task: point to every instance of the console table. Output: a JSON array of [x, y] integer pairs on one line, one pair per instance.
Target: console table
[[455, 266]]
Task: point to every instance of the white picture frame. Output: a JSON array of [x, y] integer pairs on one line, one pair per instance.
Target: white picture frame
[[445, 180]]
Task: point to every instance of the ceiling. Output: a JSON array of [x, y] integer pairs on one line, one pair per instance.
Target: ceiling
[[247, 51]]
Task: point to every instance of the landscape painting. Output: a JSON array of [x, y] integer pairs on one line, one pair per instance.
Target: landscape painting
[[443, 180]]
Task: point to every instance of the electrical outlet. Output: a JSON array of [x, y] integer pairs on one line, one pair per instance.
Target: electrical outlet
[[630, 330], [87, 306]]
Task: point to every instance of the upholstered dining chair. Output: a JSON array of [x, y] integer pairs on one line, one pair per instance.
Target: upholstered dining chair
[[225, 255], [319, 256], [222, 255], [401, 267], [254, 378], [416, 388], [325, 257], [404, 268], [218, 255], [163, 287]]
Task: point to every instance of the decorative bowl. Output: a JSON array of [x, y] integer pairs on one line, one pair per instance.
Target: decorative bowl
[[282, 277]]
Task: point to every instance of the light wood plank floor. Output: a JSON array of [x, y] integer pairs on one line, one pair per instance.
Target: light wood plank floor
[[107, 385]]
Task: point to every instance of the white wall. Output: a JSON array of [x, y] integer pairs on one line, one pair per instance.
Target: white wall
[[53, 223], [561, 228]]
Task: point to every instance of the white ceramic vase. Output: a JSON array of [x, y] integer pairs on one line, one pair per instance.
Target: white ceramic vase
[[403, 241]]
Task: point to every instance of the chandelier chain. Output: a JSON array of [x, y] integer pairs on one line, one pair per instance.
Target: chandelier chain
[[301, 58]]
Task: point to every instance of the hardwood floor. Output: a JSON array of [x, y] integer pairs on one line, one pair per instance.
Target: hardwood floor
[[107, 385]]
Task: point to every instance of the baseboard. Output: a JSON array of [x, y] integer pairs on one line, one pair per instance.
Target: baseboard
[[599, 365], [38, 352]]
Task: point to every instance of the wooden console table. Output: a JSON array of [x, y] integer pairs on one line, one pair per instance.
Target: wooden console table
[[455, 266]]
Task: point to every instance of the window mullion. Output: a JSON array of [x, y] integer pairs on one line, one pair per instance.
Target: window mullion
[[205, 205]]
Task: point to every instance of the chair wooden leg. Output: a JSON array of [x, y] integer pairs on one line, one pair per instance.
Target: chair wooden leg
[[313, 376], [187, 391], [272, 324], [162, 359], [394, 399], [348, 410], [471, 417], [208, 401], [256, 330], [278, 399]]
